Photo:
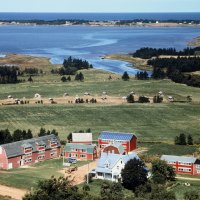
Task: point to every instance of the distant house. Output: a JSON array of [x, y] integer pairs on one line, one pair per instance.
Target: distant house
[[183, 165], [80, 151], [128, 140], [26, 152], [109, 166], [82, 138], [115, 148]]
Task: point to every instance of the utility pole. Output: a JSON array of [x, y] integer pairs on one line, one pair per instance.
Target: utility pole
[[88, 175]]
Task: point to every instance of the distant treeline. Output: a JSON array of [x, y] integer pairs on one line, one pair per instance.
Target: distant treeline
[[79, 21], [147, 53], [8, 74], [176, 68], [72, 65]]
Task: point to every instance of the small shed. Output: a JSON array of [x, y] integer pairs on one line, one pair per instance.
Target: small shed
[[83, 138]]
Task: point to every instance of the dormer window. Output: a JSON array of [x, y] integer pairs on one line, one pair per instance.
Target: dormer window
[[53, 143], [107, 164]]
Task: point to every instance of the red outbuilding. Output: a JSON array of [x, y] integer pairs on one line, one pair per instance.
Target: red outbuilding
[[128, 140], [26, 152], [80, 151], [183, 165]]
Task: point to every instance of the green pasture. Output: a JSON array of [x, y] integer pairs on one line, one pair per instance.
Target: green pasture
[[29, 177], [150, 122], [96, 82]]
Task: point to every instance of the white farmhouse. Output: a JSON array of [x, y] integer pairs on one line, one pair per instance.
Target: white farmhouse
[[109, 166]]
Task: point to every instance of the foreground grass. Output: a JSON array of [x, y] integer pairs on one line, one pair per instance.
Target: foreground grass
[[179, 188], [28, 177], [95, 187]]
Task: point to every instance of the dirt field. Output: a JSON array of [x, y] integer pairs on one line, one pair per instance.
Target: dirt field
[[78, 176], [12, 192]]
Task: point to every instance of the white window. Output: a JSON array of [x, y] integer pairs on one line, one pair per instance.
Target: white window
[[83, 156], [198, 166], [28, 154], [198, 171], [28, 160], [185, 163], [171, 162], [181, 169], [41, 157], [41, 151], [83, 150]]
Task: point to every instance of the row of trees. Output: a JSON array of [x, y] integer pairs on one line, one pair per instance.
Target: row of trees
[[175, 68], [142, 75], [182, 139], [7, 137], [44, 132], [72, 65], [8, 74], [181, 64], [147, 53]]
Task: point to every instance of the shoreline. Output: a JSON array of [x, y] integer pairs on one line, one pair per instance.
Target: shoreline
[[104, 24], [137, 63]]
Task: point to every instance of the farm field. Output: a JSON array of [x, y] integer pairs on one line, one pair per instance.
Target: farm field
[[150, 122], [158, 122]]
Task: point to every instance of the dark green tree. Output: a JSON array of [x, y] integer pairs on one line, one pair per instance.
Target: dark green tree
[[125, 76], [182, 139], [69, 137], [69, 78], [55, 189], [17, 135], [29, 134], [63, 79], [5, 136], [111, 190], [189, 140], [130, 98], [54, 132], [134, 174], [30, 79], [162, 172], [81, 77], [42, 132]]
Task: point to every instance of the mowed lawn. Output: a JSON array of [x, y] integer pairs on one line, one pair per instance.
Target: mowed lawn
[[150, 122], [29, 177]]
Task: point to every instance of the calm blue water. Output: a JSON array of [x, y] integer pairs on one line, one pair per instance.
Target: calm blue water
[[100, 16], [59, 42]]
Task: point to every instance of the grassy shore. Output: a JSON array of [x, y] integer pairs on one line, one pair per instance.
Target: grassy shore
[[139, 63]]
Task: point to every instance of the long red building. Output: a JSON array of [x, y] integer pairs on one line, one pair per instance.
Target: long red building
[[127, 140], [183, 165], [26, 152]]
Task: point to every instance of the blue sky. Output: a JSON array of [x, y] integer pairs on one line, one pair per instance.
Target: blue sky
[[100, 6]]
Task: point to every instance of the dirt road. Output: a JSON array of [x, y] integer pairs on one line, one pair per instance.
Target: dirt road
[[78, 176], [12, 192], [188, 178]]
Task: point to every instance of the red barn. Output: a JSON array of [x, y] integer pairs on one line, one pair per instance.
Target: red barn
[[115, 148], [80, 151], [183, 165], [26, 152], [128, 140]]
